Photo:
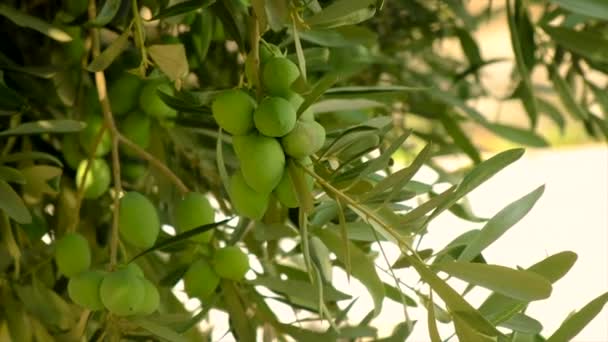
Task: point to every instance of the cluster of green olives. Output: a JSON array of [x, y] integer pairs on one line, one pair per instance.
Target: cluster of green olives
[[266, 135], [134, 103], [203, 276], [123, 292]]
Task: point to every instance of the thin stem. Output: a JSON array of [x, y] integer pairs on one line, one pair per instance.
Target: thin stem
[[255, 53], [139, 37], [369, 215], [100, 83], [155, 162]]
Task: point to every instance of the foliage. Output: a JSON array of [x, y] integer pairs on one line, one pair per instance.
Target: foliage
[[129, 86]]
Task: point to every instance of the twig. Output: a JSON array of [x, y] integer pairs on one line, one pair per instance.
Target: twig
[[100, 83], [155, 162]]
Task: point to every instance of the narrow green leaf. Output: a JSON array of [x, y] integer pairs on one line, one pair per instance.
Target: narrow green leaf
[[240, 323], [363, 267], [301, 186], [460, 138], [522, 285], [498, 308], [528, 98], [11, 175], [107, 13], [466, 332], [579, 320], [25, 20], [19, 156], [500, 223], [277, 13], [566, 96], [479, 175], [591, 8], [522, 323], [431, 322], [343, 12], [382, 161], [399, 179], [469, 46], [589, 44], [300, 292], [159, 330], [181, 237], [44, 126], [369, 90], [299, 51], [339, 105], [171, 59], [455, 302], [517, 135], [182, 7], [318, 90], [12, 204], [552, 112], [108, 55]]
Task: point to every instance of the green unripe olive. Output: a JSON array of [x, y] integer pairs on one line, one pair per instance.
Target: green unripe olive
[[151, 103], [296, 101], [268, 51], [122, 292], [305, 139], [193, 211], [83, 289], [274, 117], [72, 254], [71, 150], [233, 111], [124, 93], [97, 181], [286, 192], [278, 75], [89, 134], [200, 279], [246, 201], [151, 299], [138, 220], [133, 171], [134, 269], [75, 7], [262, 161], [136, 127], [231, 263]]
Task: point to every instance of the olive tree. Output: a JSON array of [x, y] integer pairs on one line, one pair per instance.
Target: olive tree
[[245, 149]]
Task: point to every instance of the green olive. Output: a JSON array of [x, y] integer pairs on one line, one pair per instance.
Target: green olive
[[286, 192], [151, 103], [124, 93], [246, 201], [72, 254], [136, 127], [279, 74], [89, 134], [97, 180], [138, 220], [305, 139], [193, 211], [83, 289], [274, 117], [233, 111], [200, 280], [151, 299], [122, 292], [262, 161], [231, 263]]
